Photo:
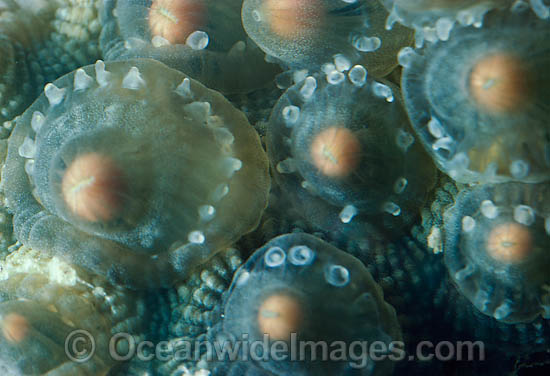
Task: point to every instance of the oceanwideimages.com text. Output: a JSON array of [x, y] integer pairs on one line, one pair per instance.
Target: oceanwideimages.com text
[[80, 347]]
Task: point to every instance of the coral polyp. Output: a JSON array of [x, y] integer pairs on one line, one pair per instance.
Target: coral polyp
[[292, 287], [496, 240], [491, 127], [88, 164], [201, 38], [44, 301], [308, 33], [332, 151]]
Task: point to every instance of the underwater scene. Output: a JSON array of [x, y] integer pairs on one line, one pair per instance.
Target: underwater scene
[[275, 187]]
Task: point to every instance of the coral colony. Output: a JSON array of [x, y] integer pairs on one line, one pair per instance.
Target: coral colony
[[185, 178]]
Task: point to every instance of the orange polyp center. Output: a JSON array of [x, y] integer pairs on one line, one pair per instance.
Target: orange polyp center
[[279, 316], [500, 83], [92, 187], [509, 242], [15, 327], [336, 152], [174, 20], [292, 18]]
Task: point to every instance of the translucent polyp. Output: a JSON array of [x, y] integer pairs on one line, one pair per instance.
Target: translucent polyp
[[135, 171], [480, 108], [495, 247], [307, 33], [342, 150], [202, 38], [296, 286]]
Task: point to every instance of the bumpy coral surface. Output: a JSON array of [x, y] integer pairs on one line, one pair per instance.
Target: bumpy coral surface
[[39, 44]]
